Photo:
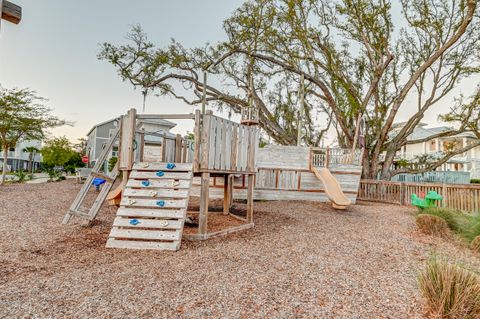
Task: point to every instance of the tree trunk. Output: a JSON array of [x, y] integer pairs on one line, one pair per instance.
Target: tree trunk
[[4, 170], [385, 173], [30, 159]]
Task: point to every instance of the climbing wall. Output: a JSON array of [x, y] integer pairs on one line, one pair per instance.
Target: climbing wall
[[153, 208]]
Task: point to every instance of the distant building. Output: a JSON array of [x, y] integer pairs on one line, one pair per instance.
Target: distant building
[[100, 134], [435, 148], [18, 159]]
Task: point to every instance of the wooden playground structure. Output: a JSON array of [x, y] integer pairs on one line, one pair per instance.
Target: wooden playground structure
[[223, 161], [154, 195]]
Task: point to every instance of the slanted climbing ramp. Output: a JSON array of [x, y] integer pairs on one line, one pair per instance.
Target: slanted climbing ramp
[[153, 208]]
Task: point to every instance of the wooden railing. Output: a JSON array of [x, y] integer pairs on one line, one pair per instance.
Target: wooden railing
[[220, 145], [455, 196], [325, 157], [224, 146]]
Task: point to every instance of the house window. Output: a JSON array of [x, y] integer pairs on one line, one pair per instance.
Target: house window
[[12, 149]]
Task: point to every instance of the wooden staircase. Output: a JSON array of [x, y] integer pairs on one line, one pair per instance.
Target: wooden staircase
[[153, 207]]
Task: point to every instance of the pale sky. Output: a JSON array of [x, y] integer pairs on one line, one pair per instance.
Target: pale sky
[[53, 51]]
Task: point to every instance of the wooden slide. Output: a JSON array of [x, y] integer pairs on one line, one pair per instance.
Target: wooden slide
[[332, 188], [115, 196]]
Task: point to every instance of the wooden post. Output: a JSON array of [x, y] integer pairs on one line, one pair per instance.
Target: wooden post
[[250, 198], [300, 112], [327, 157], [197, 141], [164, 149], [203, 217], [178, 148], [444, 195], [125, 158], [231, 178], [141, 147], [226, 194], [205, 138], [204, 95]]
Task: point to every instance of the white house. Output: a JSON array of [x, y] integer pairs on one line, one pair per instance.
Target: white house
[[100, 134], [465, 162], [17, 158]]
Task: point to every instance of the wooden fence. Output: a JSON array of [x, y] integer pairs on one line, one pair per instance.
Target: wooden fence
[[455, 196]]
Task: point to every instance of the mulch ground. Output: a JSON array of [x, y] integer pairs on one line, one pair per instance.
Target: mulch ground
[[302, 260]]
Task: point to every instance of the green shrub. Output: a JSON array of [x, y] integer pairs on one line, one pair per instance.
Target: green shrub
[[432, 225], [450, 290], [112, 162], [455, 219], [21, 175], [475, 181]]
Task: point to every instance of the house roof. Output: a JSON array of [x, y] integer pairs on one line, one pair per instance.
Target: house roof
[[162, 122], [422, 132], [100, 124]]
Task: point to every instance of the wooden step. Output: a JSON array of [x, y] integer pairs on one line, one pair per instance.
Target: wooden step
[[148, 223], [130, 244], [166, 175], [152, 203], [158, 183], [145, 234], [153, 213], [147, 166], [161, 193]]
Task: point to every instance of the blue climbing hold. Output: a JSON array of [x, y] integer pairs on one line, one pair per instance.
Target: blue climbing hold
[[145, 183], [161, 203], [97, 182], [170, 165], [160, 173], [134, 222]]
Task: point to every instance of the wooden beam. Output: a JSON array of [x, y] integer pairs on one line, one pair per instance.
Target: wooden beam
[[190, 116], [203, 218], [226, 194], [250, 199], [11, 12]]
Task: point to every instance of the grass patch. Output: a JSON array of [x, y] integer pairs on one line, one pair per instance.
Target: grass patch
[[475, 245], [450, 290], [432, 225], [472, 229], [465, 225], [455, 219]]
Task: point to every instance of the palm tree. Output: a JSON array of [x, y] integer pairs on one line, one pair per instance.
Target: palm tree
[[31, 150]]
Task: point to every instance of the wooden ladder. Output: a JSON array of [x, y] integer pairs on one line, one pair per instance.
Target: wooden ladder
[[77, 208], [153, 207]]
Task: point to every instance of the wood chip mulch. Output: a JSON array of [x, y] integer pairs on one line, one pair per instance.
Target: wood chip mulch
[[302, 260]]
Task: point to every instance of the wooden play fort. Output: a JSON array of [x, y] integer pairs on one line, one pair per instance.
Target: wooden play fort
[[223, 161], [154, 195]]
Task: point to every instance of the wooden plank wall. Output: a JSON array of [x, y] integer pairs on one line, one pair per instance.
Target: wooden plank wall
[[288, 157], [284, 174], [455, 196], [227, 146]]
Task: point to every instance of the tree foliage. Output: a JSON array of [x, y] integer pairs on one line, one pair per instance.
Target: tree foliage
[[58, 152], [355, 59], [23, 116]]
